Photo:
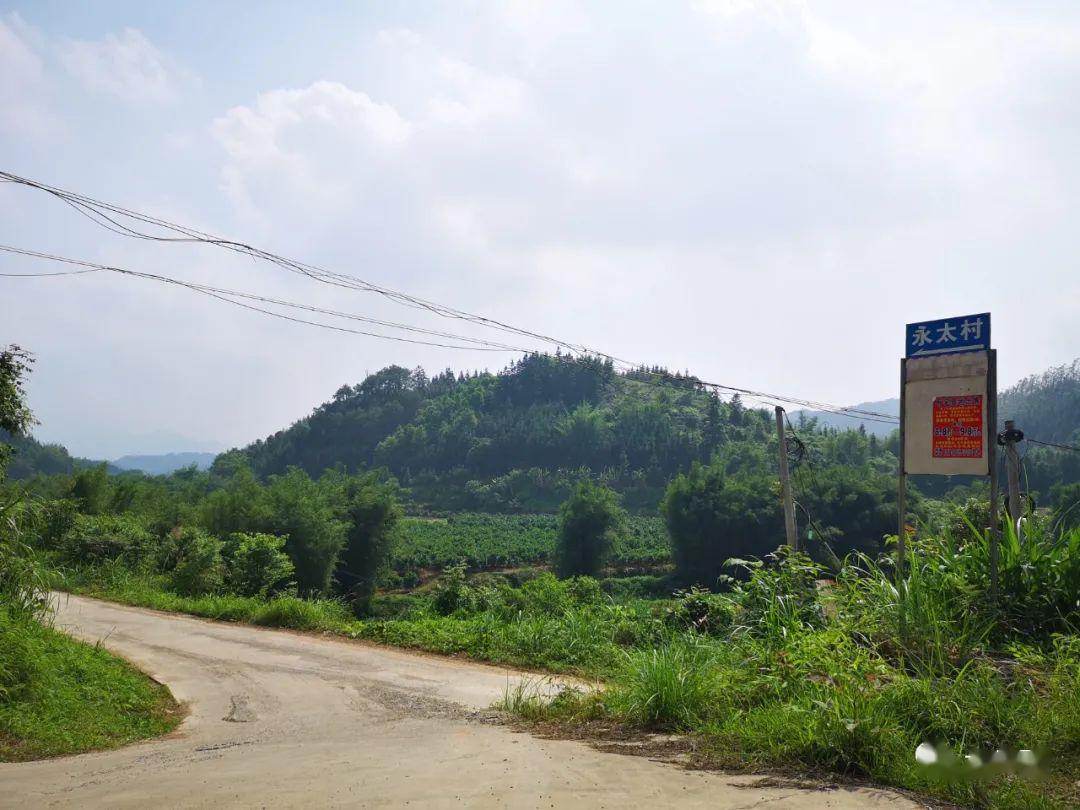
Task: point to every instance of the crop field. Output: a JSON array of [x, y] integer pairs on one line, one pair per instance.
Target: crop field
[[498, 541]]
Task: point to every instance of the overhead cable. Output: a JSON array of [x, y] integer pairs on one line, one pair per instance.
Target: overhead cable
[[109, 216]]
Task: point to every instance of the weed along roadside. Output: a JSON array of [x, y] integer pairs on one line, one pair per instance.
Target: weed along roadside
[[776, 673]]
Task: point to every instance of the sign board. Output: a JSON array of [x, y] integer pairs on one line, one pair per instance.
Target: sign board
[[945, 414], [968, 333], [958, 427]]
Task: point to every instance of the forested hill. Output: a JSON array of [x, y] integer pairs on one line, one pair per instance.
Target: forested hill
[[1046, 406], [516, 439], [30, 457]]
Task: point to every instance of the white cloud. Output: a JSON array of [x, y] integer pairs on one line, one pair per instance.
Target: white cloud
[[24, 88], [476, 97], [308, 149], [127, 66]]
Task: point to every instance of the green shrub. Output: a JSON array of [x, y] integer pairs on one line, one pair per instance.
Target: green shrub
[[302, 510], [257, 564], [95, 539], [23, 579], [700, 611], [199, 567], [584, 591], [643, 586], [780, 597], [57, 520], [451, 591], [91, 489], [455, 595]]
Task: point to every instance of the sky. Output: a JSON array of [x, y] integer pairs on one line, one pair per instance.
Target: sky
[[762, 193]]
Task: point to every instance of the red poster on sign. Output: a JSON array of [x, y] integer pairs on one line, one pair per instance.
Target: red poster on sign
[[958, 427]]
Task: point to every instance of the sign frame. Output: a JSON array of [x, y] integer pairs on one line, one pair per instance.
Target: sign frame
[[990, 421]]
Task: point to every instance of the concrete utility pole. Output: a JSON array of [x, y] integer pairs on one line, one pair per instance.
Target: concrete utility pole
[[785, 482], [1009, 437]]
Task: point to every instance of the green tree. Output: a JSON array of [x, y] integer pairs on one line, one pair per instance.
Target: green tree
[[302, 511], [853, 506], [22, 578], [712, 517], [91, 489], [15, 415], [371, 515], [257, 564], [589, 522], [239, 505]]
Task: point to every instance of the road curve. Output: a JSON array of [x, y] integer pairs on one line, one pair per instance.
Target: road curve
[[279, 719]]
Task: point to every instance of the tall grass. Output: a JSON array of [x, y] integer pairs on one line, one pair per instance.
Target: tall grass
[[826, 675], [671, 687]]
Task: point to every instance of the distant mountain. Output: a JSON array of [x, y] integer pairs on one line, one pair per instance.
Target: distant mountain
[[890, 407], [166, 463]]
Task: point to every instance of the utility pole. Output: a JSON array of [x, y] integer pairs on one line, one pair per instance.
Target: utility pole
[[1009, 437], [785, 483]]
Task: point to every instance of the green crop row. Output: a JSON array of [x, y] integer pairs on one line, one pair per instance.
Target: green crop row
[[492, 541]]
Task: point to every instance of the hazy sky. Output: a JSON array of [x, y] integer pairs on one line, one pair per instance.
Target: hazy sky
[[763, 193]]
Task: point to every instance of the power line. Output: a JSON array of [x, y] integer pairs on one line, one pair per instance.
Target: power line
[[478, 343], [1053, 444], [99, 212], [40, 275], [228, 296], [95, 211]]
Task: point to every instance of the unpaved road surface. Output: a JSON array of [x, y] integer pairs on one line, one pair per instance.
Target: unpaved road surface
[[279, 719]]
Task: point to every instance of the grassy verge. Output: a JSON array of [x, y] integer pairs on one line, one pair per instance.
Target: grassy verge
[[60, 696], [548, 629]]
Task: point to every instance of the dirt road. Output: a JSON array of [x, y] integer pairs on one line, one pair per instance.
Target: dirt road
[[280, 719]]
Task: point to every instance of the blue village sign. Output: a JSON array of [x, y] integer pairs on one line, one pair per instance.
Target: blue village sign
[[968, 333]]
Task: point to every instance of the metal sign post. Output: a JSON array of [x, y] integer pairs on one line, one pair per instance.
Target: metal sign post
[[992, 414], [948, 414]]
